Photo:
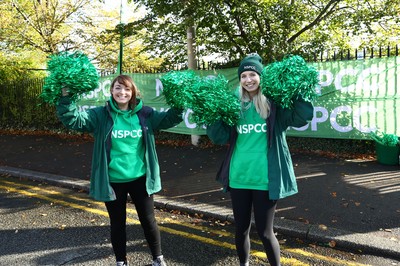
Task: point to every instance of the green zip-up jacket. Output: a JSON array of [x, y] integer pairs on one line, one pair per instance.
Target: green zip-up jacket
[[281, 178], [98, 121]]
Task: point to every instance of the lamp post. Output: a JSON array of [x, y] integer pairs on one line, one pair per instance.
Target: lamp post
[[121, 40], [121, 48]]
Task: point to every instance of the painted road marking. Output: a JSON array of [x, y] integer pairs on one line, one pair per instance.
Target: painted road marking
[[12, 186]]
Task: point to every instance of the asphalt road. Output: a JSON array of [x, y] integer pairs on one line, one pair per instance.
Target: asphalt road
[[47, 225]]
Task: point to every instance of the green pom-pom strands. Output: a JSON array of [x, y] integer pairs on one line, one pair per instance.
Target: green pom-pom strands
[[289, 79], [209, 97], [385, 139], [211, 100], [69, 70], [214, 101], [178, 87]]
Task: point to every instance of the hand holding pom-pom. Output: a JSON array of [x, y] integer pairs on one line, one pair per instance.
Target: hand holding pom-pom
[[73, 71], [208, 97], [285, 81]]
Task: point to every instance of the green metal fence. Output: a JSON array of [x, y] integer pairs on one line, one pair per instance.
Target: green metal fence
[[21, 106]]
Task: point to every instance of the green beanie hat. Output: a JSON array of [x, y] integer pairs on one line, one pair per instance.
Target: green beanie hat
[[251, 62]]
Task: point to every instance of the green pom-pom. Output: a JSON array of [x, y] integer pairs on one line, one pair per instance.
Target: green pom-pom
[[209, 98], [385, 139], [178, 87], [213, 101], [69, 70], [290, 79]]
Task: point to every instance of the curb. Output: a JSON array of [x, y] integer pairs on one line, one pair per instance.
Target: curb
[[365, 242]]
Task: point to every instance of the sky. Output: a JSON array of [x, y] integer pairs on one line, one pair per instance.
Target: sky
[[115, 3], [127, 13]]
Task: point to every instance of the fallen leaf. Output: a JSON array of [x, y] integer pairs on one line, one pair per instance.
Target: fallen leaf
[[332, 243], [323, 227], [282, 241]]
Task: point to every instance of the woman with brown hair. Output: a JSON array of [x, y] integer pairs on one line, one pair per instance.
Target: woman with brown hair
[[124, 158]]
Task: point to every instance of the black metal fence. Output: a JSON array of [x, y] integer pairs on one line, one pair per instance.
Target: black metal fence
[[21, 106], [356, 54]]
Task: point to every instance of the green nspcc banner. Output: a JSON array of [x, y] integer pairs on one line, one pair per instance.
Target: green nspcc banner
[[355, 98]]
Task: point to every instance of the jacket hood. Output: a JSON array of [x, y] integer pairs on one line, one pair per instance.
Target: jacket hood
[[115, 108]]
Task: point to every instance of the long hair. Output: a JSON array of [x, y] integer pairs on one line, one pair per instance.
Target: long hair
[[262, 104], [128, 82]]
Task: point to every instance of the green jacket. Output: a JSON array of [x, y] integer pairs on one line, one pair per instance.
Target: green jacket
[[98, 121], [281, 178]]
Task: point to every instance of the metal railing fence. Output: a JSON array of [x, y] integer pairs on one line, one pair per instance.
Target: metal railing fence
[[21, 106]]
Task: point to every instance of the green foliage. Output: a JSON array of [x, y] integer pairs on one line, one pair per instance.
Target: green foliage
[[13, 66], [272, 28], [134, 59], [47, 26]]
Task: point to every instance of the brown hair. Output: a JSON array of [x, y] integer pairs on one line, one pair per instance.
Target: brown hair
[[128, 82]]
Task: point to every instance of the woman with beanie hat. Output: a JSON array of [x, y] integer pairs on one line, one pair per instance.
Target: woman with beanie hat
[[257, 169]]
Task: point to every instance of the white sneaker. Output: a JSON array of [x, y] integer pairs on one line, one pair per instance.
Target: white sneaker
[[122, 263], [159, 262]]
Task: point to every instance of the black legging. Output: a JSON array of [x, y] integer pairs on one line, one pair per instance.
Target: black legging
[[145, 209], [264, 212]]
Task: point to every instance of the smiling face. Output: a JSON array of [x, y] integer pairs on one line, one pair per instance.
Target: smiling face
[[122, 95], [250, 81]]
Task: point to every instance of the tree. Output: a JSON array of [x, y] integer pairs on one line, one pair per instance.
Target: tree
[[135, 58], [273, 28], [33, 29], [49, 26], [39, 28], [21, 65]]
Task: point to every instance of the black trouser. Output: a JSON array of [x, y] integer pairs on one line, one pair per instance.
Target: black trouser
[[145, 209], [264, 212]]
